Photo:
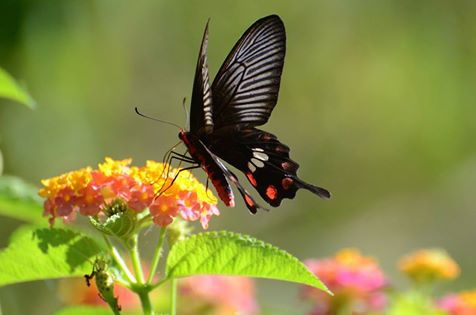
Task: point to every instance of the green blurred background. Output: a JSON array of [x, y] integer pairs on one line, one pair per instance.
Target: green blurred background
[[377, 103]]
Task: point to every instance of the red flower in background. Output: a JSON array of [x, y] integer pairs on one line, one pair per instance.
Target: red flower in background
[[357, 282]]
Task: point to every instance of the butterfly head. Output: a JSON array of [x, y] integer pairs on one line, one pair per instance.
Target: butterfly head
[[186, 138], [182, 134]]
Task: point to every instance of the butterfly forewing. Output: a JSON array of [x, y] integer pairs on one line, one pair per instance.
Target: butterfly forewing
[[246, 87], [201, 115]]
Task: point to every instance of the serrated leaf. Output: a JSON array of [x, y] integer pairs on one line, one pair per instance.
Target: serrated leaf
[[226, 253], [83, 310], [45, 253], [19, 200], [10, 89]]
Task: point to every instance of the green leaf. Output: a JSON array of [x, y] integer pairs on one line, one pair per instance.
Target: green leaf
[[83, 310], [11, 90], [20, 200], [226, 253], [44, 253]]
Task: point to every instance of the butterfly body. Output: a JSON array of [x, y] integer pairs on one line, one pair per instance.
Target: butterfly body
[[200, 154], [225, 114]]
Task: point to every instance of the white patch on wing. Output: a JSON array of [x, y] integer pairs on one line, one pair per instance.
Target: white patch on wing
[[257, 163], [261, 156], [251, 167]]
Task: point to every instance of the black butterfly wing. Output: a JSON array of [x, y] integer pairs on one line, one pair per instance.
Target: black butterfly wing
[[246, 87], [251, 204], [264, 160], [244, 94], [201, 116]]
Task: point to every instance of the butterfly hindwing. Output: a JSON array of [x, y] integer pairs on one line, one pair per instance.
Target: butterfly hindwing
[[265, 162], [251, 204]]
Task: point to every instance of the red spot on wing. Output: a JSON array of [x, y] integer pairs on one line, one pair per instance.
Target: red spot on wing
[[249, 201], [271, 192], [287, 166], [251, 179], [287, 182]]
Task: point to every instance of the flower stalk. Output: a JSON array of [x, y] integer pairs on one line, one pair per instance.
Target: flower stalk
[[173, 297], [145, 302], [133, 247], [119, 261], [157, 256]]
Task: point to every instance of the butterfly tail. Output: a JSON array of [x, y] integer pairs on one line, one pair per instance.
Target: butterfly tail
[[321, 192]]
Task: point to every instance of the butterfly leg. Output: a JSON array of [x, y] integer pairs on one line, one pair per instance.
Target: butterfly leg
[[181, 157], [169, 157], [207, 190], [161, 191], [166, 160]]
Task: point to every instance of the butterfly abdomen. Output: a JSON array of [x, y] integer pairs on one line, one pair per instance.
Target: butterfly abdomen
[[202, 156]]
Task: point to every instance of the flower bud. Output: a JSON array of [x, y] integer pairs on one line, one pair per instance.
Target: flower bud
[[119, 221], [177, 231]]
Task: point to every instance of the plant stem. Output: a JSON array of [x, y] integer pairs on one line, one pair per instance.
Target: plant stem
[[134, 251], [119, 260], [145, 302], [157, 255], [173, 297]]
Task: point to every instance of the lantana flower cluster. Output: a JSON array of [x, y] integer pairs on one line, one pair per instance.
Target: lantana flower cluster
[[427, 265], [357, 281], [89, 191]]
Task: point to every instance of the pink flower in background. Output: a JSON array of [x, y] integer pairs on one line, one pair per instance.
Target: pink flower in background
[[221, 294], [463, 303], [357, 282]]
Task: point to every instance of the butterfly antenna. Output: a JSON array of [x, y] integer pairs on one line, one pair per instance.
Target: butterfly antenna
[[152, 118]]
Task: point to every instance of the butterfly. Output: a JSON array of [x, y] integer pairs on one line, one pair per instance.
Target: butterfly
[[225, 114]]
